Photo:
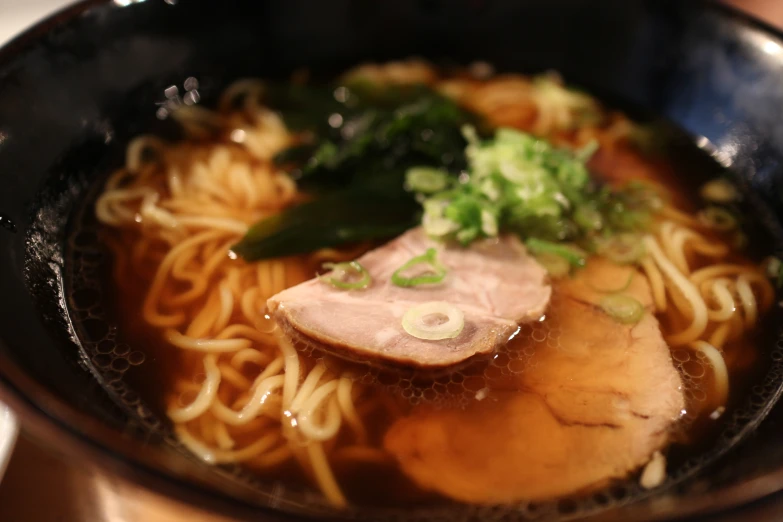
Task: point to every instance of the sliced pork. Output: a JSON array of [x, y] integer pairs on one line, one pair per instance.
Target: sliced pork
[[495, 284], [593, 405]]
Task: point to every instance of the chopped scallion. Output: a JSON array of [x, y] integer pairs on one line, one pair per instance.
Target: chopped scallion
[[623, 288], [622, 308], [719, 191], [434, 274], [718, 218], [622, 248], [519, 184], [341, 273], [426, 180], [574, 255], [557, 266], [434, 321], [774, 268], [739, 240], [588, 218], [587, 151]]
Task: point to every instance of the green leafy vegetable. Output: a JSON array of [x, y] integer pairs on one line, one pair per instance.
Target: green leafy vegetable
[[341, 273], [364, 212], [363, 140], [396, 128], [305, 107], [435, 274]]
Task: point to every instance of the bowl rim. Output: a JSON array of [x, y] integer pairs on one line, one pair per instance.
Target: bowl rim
[[40, 414], [9, 431]]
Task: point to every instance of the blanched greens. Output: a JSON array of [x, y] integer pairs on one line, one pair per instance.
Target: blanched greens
[[421, 128], [363, 141], [374, 209]]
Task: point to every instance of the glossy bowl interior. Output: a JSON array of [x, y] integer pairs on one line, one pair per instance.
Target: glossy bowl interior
[[74, 89], [9, 429]]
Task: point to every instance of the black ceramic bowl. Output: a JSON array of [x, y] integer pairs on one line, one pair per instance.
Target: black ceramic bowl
[[77, 86]]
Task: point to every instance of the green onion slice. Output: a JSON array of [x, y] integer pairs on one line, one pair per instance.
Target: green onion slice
[[426, 180], [588, 218], [587, 150], [739, 240], [575, 256], [623, 288], [622, 308], [435, 274], [773, 266], [719, 191], [557, 266], [622, 248], [434, 321], [644, 195], [718, 218], [341, 273]]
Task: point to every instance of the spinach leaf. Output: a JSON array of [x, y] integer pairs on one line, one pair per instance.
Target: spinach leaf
[[376, 210], [363, 140]]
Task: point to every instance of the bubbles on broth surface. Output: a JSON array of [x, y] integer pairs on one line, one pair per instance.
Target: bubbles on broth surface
[[86, 298], [452, 388]]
